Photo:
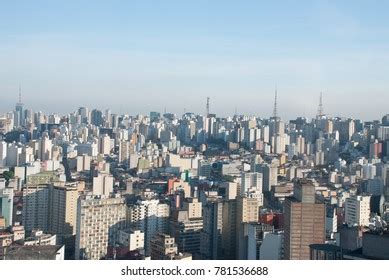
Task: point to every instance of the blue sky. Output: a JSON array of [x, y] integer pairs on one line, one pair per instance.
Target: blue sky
[[138, 56]]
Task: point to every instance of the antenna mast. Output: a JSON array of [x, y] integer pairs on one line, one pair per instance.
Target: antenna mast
[[275, 111], [207, 108], [320, 111]]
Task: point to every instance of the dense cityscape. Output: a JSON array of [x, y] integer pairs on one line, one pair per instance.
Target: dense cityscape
[[95, 185]]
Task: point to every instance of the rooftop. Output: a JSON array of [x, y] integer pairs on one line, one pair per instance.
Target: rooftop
[[32, 252]]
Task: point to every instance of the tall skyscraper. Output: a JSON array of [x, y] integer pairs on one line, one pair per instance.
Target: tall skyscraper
[[304, 222], [19, 111]]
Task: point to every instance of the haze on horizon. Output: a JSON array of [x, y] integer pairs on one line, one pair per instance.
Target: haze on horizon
[[141, 56]]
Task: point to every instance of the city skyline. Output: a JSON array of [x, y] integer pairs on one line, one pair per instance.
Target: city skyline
[[184, 52], [101, 186], [320, 110]]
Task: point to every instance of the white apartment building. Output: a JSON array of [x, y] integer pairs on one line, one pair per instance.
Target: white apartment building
[[103, 184], [134, 239], [99, 220], [357, 211], [150, 216]]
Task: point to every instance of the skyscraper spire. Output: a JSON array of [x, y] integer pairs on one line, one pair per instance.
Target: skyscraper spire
[[275, 111], [207, 108], [320, 111]]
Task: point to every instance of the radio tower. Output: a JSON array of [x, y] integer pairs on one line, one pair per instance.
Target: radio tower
[[275, 110], [320, 111], [207, 109]]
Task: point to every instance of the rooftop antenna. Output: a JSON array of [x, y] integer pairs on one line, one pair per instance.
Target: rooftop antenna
[[320, 111], [275, 111], [207, 109], [236, 111]]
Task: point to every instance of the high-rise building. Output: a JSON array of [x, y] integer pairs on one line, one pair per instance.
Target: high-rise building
[[84, 115], [45, 148], [105, 145], [3, 153], [386, 188], [163, 247], [154, 116], [204, 168], [357, 210], [251, 181], [50, 208], [211, 235], [186, 226], [134, 239], [98, 222], [300, 142], [247, 211], [151, 217], [14, 151], [253, 237], [124, 152], [252, 186], [63, 209], [83, 163], [35, 211], [19, 112], [97, 117], [229, 230], [228, 190], [6, 205], [269, 175], [331, 221], [272, 246], [103, 184], [304, 222]]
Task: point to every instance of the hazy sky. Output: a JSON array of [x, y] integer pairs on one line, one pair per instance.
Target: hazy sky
[[138, 56]]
